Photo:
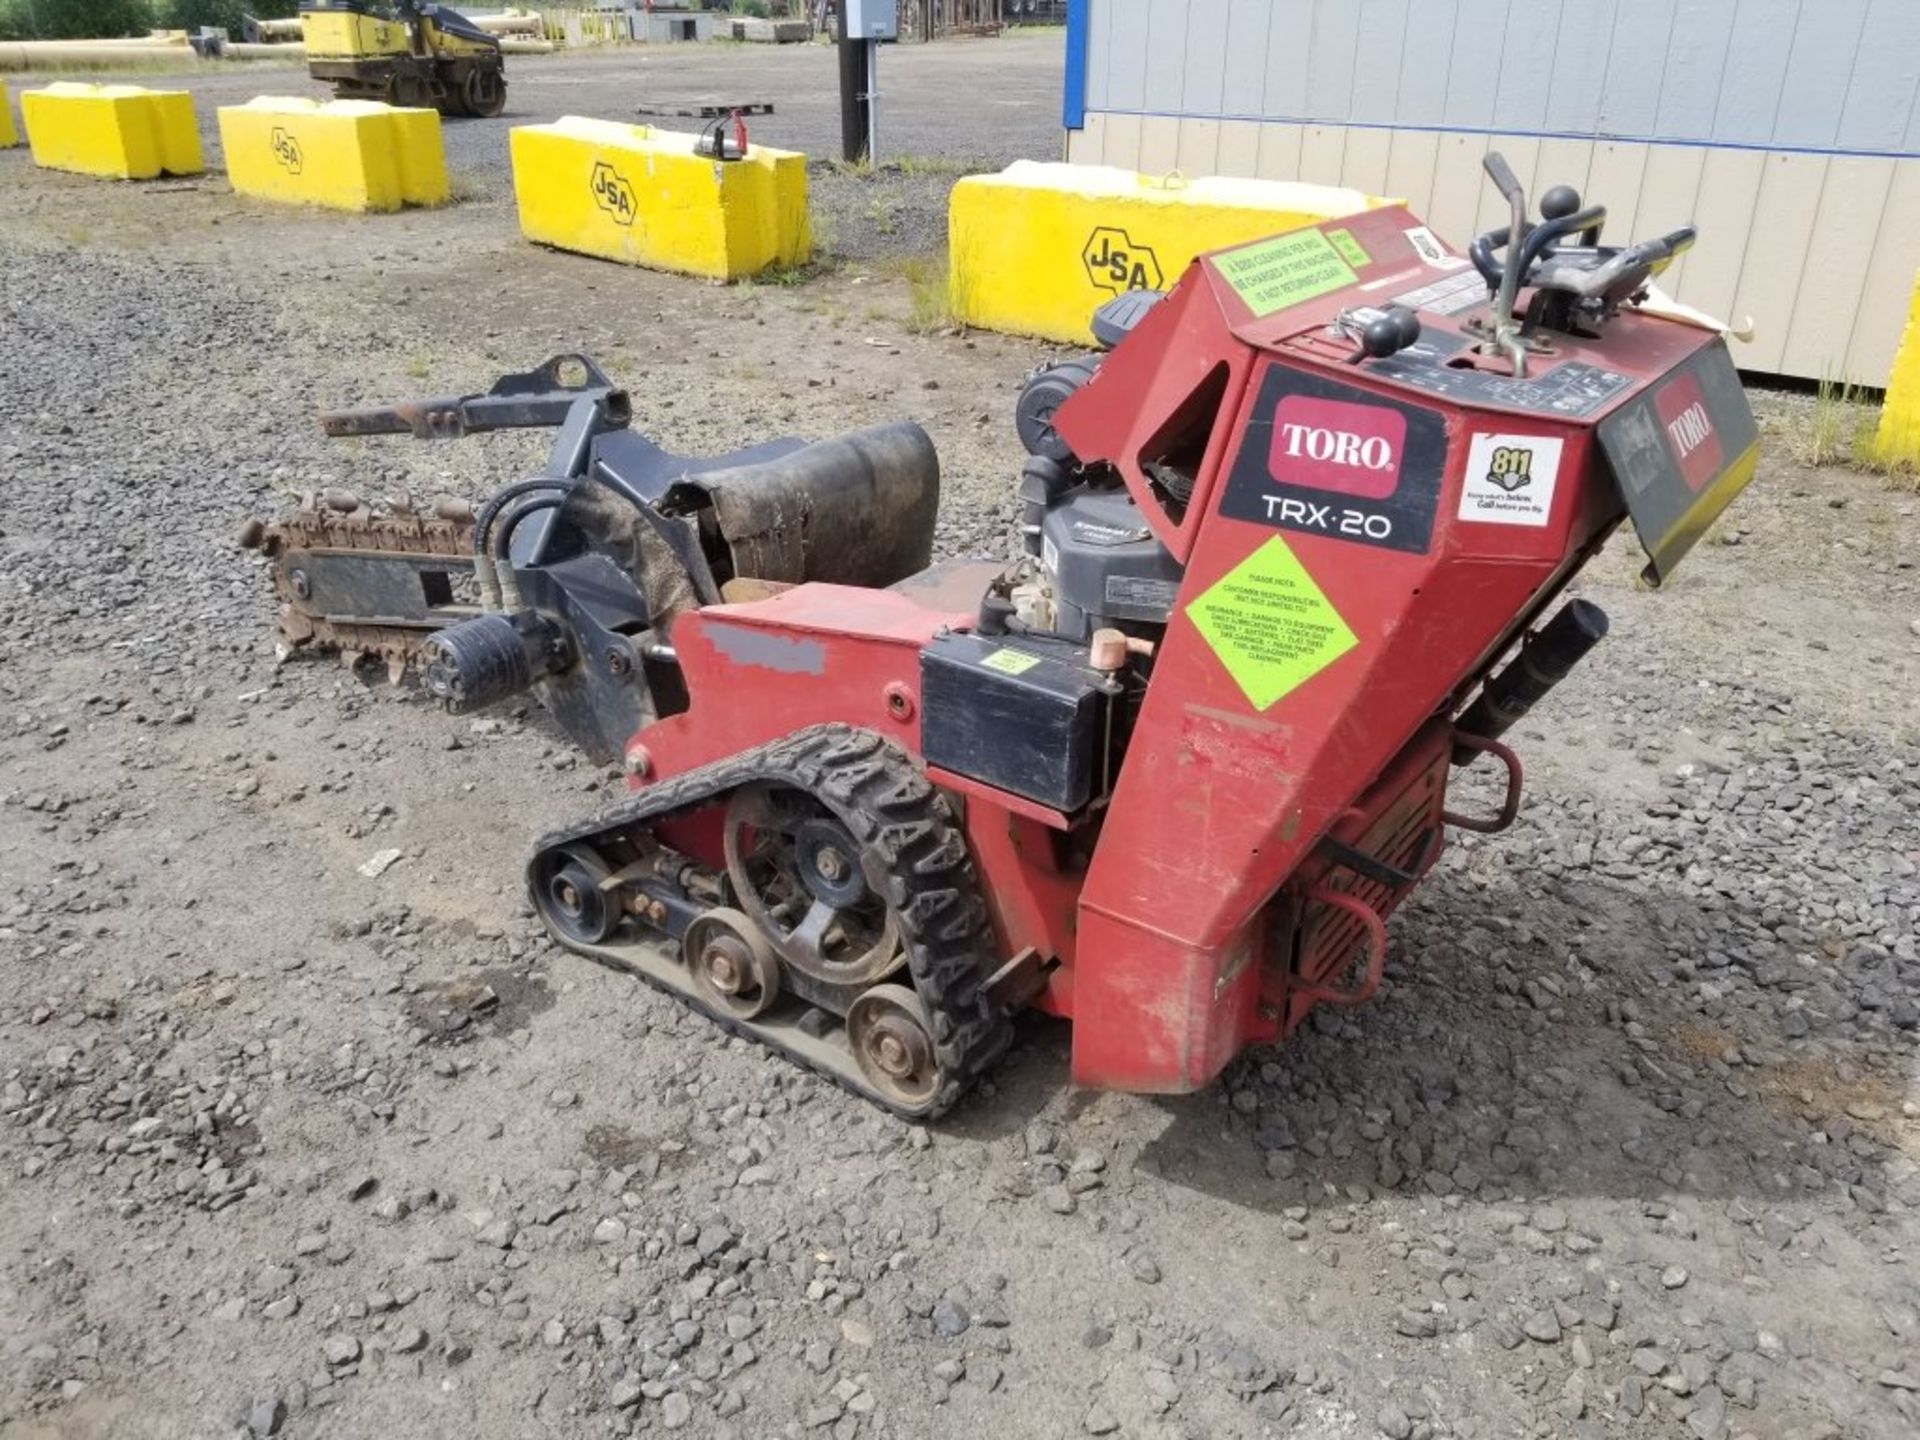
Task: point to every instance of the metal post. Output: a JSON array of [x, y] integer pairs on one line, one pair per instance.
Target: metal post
[[854, 135], [873, 101]]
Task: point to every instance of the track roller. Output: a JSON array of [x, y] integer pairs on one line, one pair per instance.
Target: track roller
[[573, 898], [730, 964], [892, 1043]]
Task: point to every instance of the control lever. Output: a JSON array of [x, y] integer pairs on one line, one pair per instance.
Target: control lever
[[1506, 330], [1378, 333]]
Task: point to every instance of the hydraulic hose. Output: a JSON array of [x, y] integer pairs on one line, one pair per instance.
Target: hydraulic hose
[[503, 545], [483, 566]]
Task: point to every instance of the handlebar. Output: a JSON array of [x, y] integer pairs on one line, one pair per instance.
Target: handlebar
[[1547, 231]]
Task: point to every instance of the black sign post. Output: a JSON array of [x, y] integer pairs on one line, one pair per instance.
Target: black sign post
[[854, 69]]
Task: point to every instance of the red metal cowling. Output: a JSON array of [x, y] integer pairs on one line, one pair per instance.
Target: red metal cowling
[[1221, 802]]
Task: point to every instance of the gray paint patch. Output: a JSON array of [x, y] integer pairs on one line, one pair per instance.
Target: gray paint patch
[[788, 654]]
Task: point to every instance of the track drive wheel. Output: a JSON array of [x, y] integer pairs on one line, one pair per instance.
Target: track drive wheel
[[730, 964], [571, 898], [802, 879]]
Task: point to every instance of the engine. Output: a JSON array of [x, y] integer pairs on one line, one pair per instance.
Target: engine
[[1091, 561]]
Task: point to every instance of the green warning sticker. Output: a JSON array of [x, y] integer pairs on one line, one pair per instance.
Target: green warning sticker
[[1270, 275], [1351, 250], [1271, 626], [1010, 662]]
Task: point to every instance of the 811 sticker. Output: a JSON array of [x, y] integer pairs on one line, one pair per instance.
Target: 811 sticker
[[1510, 479]]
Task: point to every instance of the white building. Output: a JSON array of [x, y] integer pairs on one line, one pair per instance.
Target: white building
[[1786, 128]]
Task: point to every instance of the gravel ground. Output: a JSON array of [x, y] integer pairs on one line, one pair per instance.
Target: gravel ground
[[1625, 1148], [946, 110]]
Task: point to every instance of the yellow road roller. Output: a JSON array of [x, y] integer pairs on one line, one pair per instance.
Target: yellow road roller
[[408, 53]]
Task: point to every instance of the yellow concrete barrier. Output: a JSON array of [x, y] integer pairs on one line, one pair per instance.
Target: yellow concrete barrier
[[120, 131], [345, 154], [1036, 249], [1897, 441], [641, 195], [9, 137]]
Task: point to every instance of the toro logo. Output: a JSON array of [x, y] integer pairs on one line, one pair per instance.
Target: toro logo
[[1322, 458], [1114, 263], [1690, 431], [1334, 445], [286, 150], [612, 193]]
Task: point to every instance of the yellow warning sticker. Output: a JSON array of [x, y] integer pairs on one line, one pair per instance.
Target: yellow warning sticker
[[1010, 662], [1287, 270], [1271, 626], [1351, 250]]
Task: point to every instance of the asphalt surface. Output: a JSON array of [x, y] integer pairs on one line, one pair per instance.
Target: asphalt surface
[[946, 109]]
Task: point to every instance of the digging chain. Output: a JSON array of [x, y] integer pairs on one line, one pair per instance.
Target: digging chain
[[892, 811], [335, 522]]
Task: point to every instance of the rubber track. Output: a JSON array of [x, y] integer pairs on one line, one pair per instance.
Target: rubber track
[[891, 809]]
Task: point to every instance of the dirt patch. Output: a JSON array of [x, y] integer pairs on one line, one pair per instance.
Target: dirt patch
[[493, 1002], [618, 1147]]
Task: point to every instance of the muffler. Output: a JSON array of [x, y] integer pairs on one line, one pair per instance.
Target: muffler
[[1546, 658]]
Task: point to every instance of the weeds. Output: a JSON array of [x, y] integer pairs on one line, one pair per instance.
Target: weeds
[[785, 277], [792, 277], [931, 303], [932, 165], [1840, 430], [823, 230], [1848, 428], [907, 165], [419, 366]]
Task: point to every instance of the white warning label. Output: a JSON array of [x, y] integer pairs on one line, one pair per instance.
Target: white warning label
[[1510, 479], [1427, 246]]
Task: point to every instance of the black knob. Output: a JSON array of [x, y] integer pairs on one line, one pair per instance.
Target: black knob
[[1559, 202], [1380, 337], [1389, 332]]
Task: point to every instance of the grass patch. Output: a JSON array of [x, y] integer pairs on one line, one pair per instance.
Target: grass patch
[[419, 366], [931, 165], [823, 230], [819, 302], [907, 165], [1840, 430], [932, 307], [883, 215], [784, 276], [792, 277], [1844, 429]]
